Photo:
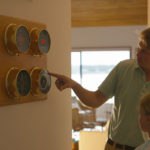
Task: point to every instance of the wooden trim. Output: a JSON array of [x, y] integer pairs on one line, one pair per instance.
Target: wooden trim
[[109, 12]]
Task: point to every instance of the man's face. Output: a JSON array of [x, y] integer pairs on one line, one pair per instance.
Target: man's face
[[144, 121], [143, 56]]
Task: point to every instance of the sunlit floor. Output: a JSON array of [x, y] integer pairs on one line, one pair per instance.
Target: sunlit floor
[[89, 139]]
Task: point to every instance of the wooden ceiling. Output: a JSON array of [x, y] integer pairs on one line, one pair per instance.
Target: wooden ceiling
[[108, 12]]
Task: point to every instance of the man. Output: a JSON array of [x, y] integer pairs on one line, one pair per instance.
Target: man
[[127, 82]]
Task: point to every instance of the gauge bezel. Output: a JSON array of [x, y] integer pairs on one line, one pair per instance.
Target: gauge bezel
[[10, 39], [35, 77], [35, 39], [11, 83]]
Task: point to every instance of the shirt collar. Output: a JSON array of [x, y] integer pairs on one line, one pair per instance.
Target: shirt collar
[[137, 65]]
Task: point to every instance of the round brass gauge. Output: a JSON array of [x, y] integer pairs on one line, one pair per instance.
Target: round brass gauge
[[41, 81], [17, 39], [18, 82], [40, 41]]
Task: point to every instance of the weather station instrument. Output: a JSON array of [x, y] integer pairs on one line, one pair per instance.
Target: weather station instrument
[[40, 41], [41, 81], [24, 48], [17, 39], [18, 82]]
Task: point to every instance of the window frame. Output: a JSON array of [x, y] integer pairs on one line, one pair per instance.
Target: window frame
[[82, 49]]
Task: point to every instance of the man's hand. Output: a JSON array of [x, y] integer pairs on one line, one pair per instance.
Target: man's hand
[[62, 82]]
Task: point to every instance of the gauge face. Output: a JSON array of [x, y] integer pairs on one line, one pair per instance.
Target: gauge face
[[44, 82], [23, 83], [44, 41], [22, 39]]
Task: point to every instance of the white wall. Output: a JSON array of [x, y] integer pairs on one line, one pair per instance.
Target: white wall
[[106, 36], [148, 12], [43, 125]]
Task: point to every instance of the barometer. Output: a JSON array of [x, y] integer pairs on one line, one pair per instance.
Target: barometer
[[40, 41], [18, 82], [41, 81], [17, 39]]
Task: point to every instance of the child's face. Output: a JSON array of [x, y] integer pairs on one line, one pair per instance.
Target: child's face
[[144, 121]]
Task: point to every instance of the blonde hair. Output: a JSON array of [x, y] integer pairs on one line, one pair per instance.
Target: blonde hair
[[145, 104], [145, 36]]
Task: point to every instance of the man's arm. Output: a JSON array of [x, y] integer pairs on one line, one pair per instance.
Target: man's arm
[[89, 98]]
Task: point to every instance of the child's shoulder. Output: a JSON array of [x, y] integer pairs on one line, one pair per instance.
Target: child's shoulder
[[144, 146]]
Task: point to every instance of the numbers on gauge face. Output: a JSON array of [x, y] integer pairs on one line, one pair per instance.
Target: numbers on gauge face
[[23, 83], [22, 39], [44, 41], [45, 82]]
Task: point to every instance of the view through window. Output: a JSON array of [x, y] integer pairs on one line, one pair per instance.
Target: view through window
[[89, 68]]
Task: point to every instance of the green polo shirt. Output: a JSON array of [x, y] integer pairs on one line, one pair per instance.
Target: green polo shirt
[[127, 84]]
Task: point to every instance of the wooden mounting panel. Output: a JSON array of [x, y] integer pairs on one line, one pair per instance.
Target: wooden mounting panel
[[23, 61]]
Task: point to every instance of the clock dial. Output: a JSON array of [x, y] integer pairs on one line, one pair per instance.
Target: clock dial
[[17, 39], [11, 82], [40, 41]]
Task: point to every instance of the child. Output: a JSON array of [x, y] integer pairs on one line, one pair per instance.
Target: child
[[144, 120]]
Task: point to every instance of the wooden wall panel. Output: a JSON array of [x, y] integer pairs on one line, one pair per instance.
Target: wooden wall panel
[[109, 12]]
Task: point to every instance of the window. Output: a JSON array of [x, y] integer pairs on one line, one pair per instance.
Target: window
[[91, 66]]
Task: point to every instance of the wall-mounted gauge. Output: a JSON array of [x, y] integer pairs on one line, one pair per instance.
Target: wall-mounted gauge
[[18, 82], [41, 81], [17, 39], [40, 41]]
